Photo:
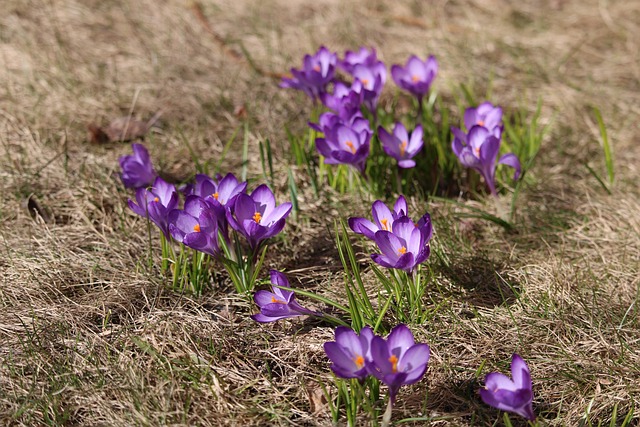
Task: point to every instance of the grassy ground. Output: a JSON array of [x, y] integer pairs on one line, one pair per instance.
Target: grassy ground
[[89, 334]]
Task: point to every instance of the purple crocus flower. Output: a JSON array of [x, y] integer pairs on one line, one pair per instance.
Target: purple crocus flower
[[373, 79], [416, 76], [196, 226], [382, 216], [405, 247], [363, 56], [256, 216], [510, 395], [317, 72], [346, 144], [137, 170], [220, 195], [400, 145], [350, 352], [398, 360], [485, 115], [478, 150], [279, 303], [345, 101], [156, 203]]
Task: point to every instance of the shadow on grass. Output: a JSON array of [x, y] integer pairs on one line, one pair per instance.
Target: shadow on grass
[[479, 281]]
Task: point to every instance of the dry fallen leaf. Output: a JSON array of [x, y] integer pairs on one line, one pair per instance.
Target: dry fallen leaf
[[121, 129]]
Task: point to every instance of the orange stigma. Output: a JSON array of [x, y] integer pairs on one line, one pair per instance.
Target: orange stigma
[[155, 199], [394, 363], [476, 151], [415, 78], [215, 195], [365, 82], [351, 147], [316, 68], [402, 251], [385, 224], [257, 217], [480, 122], [403, 148], [196, 228], [359, 361], [277, 301]]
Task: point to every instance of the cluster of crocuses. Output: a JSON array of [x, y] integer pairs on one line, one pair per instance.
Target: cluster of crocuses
[[346, 132], [211, 208]]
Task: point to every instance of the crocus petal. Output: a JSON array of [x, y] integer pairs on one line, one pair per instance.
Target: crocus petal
[[414, 362], [400, 339], [363, 226], [262, 298], [264, 198], [489, 150], [382, 215], [520, 372], [280, 212], [511, 159]]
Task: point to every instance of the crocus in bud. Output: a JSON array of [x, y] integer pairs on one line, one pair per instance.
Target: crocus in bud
[[344, 144], [404, 247], [478, 150], [256, 216], [363, 56], [317, 72], [137, 170], [279, 303], [416, 76], [512, 395], [398, 360], [155, 203], [350, 352], [196, 226], [485, 115], [402, 146], [383, 218]]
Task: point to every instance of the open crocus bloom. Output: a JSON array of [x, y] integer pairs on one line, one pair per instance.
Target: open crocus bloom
[[405, 247], [383, 218], [400, 145], [156, 203], [137, 170], [346, 144], [485, 115], [373, 79], [196, 226], [317, 72], [479, 150], [514, 395], [257, 217], [363, 56], [279, 303], [345, 101], [398, 360], [416, 76], [350, 352]]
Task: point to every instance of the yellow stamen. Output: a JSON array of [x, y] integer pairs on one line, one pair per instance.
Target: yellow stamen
[[359, 361], [385, 225], [415, 78], [402, 250], [403, 148], [476, 151], [215, 195], [277, 301], [196, 228], [155, 199], [351, 147], [257, 217], [394, 363]]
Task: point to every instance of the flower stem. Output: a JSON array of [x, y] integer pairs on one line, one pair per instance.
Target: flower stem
[[386, 418]]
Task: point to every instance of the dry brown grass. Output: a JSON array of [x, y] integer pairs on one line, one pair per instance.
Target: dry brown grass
[[90, 335]]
